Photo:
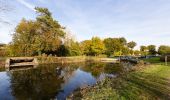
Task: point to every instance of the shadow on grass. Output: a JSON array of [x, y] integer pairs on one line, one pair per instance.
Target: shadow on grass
[[142, 86], [135, 86], [156, 60]]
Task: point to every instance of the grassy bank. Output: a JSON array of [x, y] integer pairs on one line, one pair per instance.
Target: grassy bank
[[74, 59], [156, 60], [150, 83], [52, 59]]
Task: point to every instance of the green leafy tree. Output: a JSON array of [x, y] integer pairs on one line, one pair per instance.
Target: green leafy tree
[[131, 45], [109, 46], [137, 52], [86, 47], [152, 49], [93, 47], [123, 41], [163, 49], [74, 49], [97, 46], [125, 51], [43, 35], [143, 50], [23, 42], [115, 46], [50, 31]]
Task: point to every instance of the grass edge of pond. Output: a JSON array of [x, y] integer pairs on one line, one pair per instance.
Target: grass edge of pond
[[145, 82]]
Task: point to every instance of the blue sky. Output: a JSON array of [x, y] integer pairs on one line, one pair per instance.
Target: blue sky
[[143, 21]]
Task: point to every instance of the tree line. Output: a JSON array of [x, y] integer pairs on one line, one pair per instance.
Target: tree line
[[45, 35]]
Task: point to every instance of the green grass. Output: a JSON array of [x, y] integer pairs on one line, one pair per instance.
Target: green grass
[[153, 60], [150, 83], [158, 70], [156, 61]]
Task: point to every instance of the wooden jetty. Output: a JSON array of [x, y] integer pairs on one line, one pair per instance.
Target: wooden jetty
[[18, 62]]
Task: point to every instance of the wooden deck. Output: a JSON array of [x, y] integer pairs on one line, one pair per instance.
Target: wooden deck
[[19, 62]]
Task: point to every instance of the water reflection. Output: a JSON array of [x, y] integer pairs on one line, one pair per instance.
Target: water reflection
[[54, 80], [40, 83]]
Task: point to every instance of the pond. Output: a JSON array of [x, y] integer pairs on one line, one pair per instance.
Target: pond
[[53, 81]]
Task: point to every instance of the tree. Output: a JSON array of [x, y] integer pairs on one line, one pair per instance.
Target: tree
[[137, 52], [143, 50], [74, 49], [109, 46], [125, 51], [163, 49], [43, 35], [152, 49], [23, 42], [123, 40], [93, 47], [51, 32], [97, 46], [86, 47], [115, 46], [131, 45]]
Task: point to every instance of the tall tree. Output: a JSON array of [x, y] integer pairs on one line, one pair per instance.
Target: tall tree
[[51, 32], [43, 35]]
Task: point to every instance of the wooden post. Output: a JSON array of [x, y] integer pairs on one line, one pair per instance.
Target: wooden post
[[166, 60]]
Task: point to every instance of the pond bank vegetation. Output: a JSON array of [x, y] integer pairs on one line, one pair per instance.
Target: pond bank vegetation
[[145, 82], [74, 59]]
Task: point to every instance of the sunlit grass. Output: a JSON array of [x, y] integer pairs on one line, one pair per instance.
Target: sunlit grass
[[150, 83], [153, 60], [156, 60]]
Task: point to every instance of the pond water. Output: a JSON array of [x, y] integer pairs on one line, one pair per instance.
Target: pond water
[[53, 81]]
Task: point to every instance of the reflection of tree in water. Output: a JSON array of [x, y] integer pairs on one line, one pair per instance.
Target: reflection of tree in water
[[97, 68], [40, 83], [46, 81], [115, 68]]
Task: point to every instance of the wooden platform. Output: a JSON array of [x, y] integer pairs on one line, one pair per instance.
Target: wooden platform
[[19, 62]]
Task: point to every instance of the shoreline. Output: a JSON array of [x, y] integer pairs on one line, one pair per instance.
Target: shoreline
[[73, 59], [144, 76]]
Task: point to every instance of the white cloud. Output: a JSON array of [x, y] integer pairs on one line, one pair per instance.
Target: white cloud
[[26, 4]]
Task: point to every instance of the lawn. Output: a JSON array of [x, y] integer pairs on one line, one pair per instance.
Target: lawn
[[150, 83], [155, 60]]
